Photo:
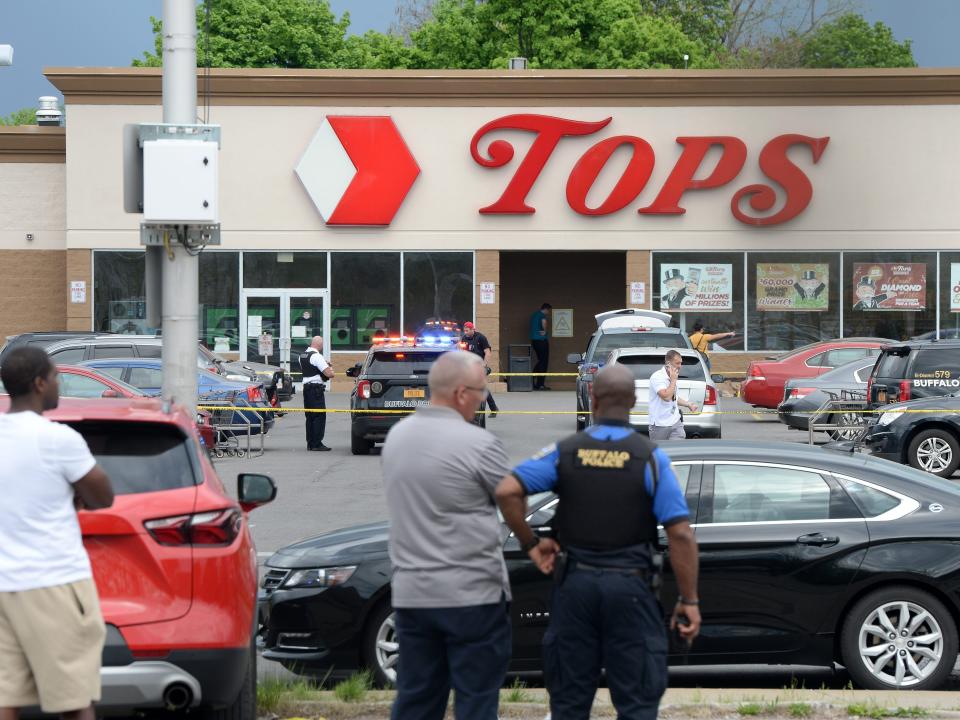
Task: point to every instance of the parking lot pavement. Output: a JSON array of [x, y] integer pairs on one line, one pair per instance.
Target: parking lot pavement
[[324, 491]]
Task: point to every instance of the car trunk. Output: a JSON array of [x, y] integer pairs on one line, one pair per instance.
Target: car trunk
[[402, 378], [691, 385], [153, 476]]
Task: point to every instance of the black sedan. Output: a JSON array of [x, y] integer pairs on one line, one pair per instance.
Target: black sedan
[[802, 397], [923, 433], [807, 557]]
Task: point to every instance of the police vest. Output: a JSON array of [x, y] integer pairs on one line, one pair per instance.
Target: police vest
[[308, 369], [604, 503]]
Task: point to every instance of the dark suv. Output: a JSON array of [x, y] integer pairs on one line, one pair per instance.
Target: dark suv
[[393, 377], [914, 369]]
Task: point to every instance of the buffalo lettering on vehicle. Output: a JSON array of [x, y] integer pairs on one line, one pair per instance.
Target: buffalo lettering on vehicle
[[774, 162]]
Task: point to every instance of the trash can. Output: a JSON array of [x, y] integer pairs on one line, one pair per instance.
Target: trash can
[[519, 360]]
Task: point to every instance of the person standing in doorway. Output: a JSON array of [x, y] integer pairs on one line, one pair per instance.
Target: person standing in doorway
[[540, 340], [477, 343], [666, 422], [449, 589], [51, 628], [316, 371]]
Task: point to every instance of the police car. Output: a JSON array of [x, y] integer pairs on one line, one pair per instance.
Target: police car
[[393, 378], [617, 330]]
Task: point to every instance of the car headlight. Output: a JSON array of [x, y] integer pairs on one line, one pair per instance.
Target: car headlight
[[319, 577], [888, 417]]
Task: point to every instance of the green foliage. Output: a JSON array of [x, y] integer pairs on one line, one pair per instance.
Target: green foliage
[[749, 709], [269, 692], [799, 710], [851, 42], [354, 688], [23, 116], [871, 710], [517, 693]]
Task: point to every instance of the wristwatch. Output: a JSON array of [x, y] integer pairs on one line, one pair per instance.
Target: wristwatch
[[528, 546]]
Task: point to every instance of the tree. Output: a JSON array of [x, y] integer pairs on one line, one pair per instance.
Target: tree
[[263, 33], [851, 42], [23, 116]]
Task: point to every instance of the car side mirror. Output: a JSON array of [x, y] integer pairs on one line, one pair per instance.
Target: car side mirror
[[717, 378], [353, 371], [574, 358], [254, 490], [110, 393]]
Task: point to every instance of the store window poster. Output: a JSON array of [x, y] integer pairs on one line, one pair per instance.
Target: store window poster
[[793, 287], [889, 286], [697, 287]]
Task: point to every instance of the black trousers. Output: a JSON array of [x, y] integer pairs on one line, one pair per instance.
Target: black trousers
[[314, 399], [542, 349], [602, 619], [463, 648]]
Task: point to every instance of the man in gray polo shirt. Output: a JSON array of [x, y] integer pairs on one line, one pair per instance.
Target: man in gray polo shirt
[[450, 588]]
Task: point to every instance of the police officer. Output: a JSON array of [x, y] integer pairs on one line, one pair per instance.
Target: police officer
[[614, 486], [316, 371], [477, 343]]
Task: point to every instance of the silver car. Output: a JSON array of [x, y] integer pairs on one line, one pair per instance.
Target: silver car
[[695, 385]]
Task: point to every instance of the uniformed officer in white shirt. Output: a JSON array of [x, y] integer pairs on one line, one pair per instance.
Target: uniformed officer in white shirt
[[666, 422], [316, 371]]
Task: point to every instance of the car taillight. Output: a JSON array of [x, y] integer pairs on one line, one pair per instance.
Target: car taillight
[[904, 391], [363, 389], [756, 373], [711, 396], [869, 386], [218, 527], [254, 394], [800, 392]]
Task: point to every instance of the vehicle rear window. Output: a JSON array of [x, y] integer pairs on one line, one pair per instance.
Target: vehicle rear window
[[150, 351], [643, 366], [871, 502], [140, 457], [402, 362], [619, 341], [892, 365], [933, 362]]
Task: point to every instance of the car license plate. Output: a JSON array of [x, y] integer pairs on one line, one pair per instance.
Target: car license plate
[[414, 393]]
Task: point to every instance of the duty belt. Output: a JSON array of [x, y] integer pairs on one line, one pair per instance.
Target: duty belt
[[642, 573]]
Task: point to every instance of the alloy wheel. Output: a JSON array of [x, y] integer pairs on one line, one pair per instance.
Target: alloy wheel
[[934, 454], [388, 648], [901, 644]]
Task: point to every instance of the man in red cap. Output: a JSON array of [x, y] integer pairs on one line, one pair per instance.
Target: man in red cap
[[477, 343]]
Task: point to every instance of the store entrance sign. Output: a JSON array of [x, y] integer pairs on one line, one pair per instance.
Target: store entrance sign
[[686, 175]]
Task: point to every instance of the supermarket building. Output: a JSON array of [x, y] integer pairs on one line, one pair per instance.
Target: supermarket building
[[785, 206]]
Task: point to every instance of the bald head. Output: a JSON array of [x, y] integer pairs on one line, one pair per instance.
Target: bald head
[[613, 391], [317, 343], [453, 369]]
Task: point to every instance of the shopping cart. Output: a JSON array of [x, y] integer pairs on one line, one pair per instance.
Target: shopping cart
[[234, 429], [844, 416]]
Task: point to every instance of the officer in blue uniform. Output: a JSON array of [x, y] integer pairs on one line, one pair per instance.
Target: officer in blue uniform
[[615, 487]]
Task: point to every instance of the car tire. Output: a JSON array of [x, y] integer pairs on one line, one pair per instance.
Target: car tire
[[359, 445], [850, 426], [245, 706], [910, 614], [381, 648], [935, 451]]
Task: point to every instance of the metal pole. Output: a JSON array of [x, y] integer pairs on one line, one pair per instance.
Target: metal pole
[[181, 272], [153, 283]]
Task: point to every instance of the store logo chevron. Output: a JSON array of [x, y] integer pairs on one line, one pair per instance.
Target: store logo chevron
[[357, 170]]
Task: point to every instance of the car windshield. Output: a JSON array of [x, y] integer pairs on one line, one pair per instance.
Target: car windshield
[[619, 341], [140, 457], [643, 366], [402, 362]]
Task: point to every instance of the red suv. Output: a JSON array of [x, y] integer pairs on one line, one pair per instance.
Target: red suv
[[173, 561], [765, 379]]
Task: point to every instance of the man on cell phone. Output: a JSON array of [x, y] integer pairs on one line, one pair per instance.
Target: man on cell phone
[[666, 422]]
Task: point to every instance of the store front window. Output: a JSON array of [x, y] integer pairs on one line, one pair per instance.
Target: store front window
[[365, 298], [118, 293], [436, 286], [889, 295], [219, 300], [794, 299], [285, 270], [702, 288], [949, 296]]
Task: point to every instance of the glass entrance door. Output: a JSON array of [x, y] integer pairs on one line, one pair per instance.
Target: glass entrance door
[[283, 322]]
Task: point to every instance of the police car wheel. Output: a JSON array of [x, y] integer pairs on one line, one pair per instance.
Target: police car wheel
[[935, 451], [381, 649], [360, 445], [899, 637]]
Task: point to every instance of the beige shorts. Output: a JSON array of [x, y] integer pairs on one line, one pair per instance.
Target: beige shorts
[[51, 642]]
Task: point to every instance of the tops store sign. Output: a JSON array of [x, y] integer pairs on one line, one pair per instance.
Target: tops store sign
[[358, 170]]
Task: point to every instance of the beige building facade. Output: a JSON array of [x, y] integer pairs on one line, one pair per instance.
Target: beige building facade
[[794, 206]]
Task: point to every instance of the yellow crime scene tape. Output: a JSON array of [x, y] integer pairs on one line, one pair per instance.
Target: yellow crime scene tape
[[408, 411]]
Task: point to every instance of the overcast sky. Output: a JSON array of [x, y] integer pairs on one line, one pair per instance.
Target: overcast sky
[[113, 32]]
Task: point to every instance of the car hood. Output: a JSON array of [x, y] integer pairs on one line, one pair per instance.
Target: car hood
[[340, 547], [938, 402], [249, 365]]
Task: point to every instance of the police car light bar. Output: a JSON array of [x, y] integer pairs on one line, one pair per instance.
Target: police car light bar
[[391, 340], [435, 340]]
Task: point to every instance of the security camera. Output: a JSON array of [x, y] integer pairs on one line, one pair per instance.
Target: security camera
[[6, 55]]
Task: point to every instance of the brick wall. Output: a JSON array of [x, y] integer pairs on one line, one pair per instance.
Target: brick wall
[[78, 267], [33, 291], [488, 316], [638, 270]]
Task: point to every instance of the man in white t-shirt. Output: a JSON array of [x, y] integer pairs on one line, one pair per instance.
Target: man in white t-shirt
[[316, 371], [666, 423], [51, 629]]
